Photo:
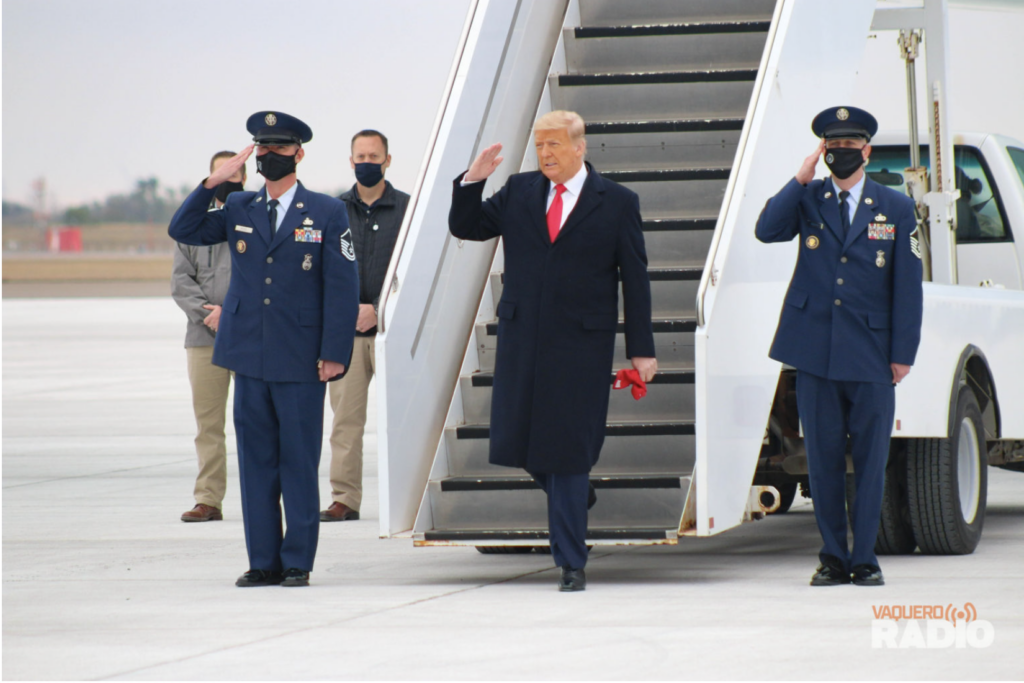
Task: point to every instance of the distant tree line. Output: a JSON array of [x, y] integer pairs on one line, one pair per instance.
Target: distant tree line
[[147, 203]]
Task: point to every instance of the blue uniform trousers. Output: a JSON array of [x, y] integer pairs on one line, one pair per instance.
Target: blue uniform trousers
[[829, 411], [567, 516], [279, 427]]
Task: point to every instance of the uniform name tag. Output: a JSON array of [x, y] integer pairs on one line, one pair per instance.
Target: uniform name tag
[[243, 228], [881, 231], [308, 235]]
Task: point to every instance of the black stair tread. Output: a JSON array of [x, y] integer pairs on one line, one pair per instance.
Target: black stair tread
[[665, 126], [667, 175], [682, 29], [595, 534], [662, 325], [631, 428], [659, 77], [674, 376], [522, 483], [680, 224], [661, 274]]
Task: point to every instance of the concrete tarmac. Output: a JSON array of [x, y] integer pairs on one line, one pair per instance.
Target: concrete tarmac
[[102, 581]]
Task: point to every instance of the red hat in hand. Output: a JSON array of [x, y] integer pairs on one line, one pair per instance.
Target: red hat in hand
[[625, 378]]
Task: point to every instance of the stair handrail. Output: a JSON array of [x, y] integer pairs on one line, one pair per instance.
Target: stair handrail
[[708, 275], [391, 279]]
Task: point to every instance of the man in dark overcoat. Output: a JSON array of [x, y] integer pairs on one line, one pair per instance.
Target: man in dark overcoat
[[850, 325], [569, 237]]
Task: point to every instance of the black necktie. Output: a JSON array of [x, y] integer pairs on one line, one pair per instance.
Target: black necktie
[[272, 205], [844, 212]]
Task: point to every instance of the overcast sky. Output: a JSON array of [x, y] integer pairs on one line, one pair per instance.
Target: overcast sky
[[100, 93]]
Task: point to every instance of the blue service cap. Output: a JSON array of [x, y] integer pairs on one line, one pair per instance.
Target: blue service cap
[[844, 122], [277, 128]]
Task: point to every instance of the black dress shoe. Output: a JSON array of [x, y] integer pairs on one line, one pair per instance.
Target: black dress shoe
[[830, 573], [591, 497], [258, 577], [295, 577], [868, 575], [572, 580]]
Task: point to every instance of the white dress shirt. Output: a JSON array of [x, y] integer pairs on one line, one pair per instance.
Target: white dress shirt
[[283, 204], [573, 187], [854, 199]]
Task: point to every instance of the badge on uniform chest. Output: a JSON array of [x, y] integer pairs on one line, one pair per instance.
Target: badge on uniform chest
[[881, 231], [308, 235]]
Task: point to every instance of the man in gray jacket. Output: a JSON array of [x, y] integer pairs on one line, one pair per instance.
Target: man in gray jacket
[[199, 282]]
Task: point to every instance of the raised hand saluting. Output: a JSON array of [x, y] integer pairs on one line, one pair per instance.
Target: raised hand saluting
[[484, 165], [228, 168]]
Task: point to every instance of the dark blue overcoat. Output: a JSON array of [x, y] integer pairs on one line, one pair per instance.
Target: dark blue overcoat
[[291, 301], [853, 306], [558, 315]]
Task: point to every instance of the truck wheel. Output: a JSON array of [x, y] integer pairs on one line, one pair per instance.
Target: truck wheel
[[503, 549], [895, 534], [947, 481], [787, 492]]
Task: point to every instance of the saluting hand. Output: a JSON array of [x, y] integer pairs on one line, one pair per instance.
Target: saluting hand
[[646, 367], [228, 168], [484, 165], [806, 172]]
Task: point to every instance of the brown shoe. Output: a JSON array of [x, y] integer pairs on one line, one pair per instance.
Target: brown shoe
[[202, 513], [338, 512]]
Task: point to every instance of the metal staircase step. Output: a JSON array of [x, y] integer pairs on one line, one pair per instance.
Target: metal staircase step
[[666, 126], [540, 536], [686, 376], [681, 29], [689, 151], [519, 483], [667, 175], [673, 96], [658, 77], [620, 455], [652, 428], [668, 325], [618, 12], [679, 224]]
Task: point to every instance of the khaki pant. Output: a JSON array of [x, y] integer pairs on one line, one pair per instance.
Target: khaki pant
[[348, 401], [210, 385]]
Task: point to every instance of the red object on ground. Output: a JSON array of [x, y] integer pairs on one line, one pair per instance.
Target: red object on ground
[[70, 239], [625, 378]]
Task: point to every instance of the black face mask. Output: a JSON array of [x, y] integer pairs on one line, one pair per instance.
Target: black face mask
[[369, 174], [274, 166], [226, 188], [843, 161]]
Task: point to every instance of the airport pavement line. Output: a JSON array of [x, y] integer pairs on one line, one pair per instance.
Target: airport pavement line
[[98, 474], [373, 613]]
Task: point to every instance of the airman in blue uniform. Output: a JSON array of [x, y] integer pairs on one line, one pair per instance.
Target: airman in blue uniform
[[850, 325], [286, 328]]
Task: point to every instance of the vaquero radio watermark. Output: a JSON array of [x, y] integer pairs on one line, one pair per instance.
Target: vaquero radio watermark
[[929, 627]]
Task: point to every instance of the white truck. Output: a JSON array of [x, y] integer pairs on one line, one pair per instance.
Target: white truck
[[696, 106]]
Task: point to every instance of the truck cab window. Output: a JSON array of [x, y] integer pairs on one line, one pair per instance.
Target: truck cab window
[[979, 210], [1017, 157]]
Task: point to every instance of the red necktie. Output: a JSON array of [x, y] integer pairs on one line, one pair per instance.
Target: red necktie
[[555, 213]]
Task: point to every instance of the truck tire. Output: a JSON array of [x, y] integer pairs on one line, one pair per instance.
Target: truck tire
[[787, 492], [895, 533], [947, 482], [503, 549]]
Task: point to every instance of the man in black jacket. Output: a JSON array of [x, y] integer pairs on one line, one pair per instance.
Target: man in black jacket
[[375, 212]]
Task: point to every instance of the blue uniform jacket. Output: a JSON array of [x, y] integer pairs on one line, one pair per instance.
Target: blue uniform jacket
[[558, 314], [854, 306], [294, 296]]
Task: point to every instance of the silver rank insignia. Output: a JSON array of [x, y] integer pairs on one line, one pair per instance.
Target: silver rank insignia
[[880, 218], [828, 195], [259, 199], [880, 259], [841, 114], [812, 242], [307, 262], [240, 246], [270, 120], [869, 201], [347, 249], [300, 205], [308, 221], [915, 246]]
